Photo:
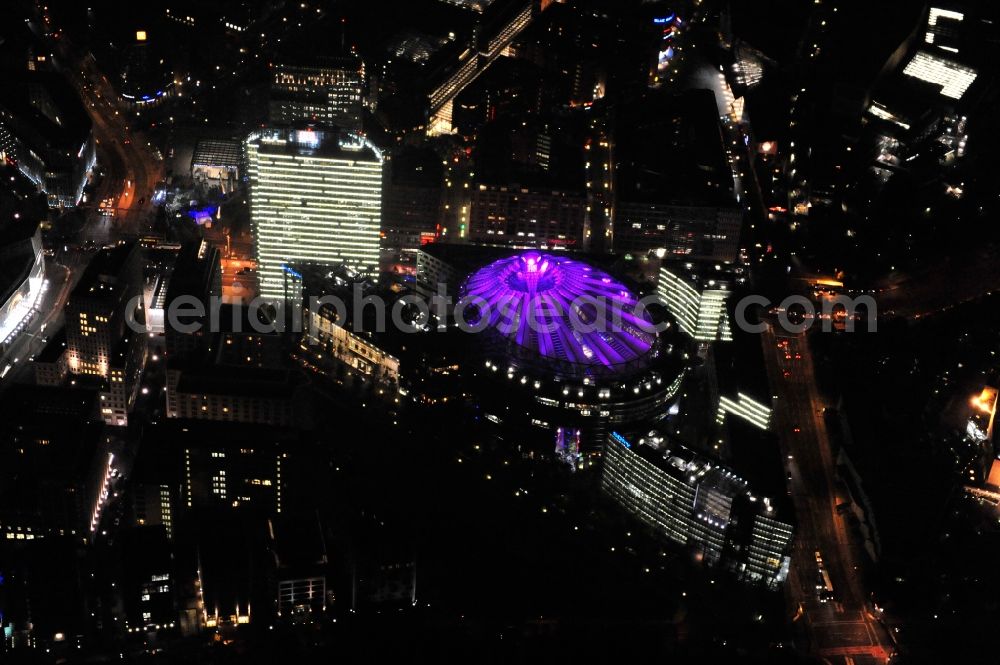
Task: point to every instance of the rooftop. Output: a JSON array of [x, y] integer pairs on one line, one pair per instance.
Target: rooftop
[[105, 270], [49, 114], [310, 142], [197, 265], [670, 150], [237, 381], [704, 273], [54, 349], [217, 152], [556, 308], [739, 365]]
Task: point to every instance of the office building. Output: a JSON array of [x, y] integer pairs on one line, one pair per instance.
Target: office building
[[698, 231], [97, 308], [435, 270], [302, 568], [326, 336], [315, 197], [412, 199], [155, 494], [497, 27], [218, 473], [383, 567], [247, 338], [672, 182], [187, 465], [746, 407], [46, 132], [145, 580], [226, 334], [739, 382], [696, 295], [535, 217], [334, 339], [236, 394], [696, 503], [22, 276], [100, 342], [145, 69], [325, 91], [196, 277], [52, 460], [51, 368], [921, 105], [528, 188], [223, 556], [951, 78], [222, 367], [121, 387]]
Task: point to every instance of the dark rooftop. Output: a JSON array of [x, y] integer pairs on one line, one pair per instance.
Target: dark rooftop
[[54, 349], [238, 380], [739, 364], [755, 453], [196, 268], [105, 268], [670, 149], [415, 166], [48, 112]]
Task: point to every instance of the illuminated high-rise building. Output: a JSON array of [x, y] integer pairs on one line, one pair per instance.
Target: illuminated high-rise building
[[696, 294], [315, 198]]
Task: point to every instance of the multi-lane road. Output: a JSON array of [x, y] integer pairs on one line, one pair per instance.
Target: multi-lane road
[[131, 168], [843, 629], [131, 171]]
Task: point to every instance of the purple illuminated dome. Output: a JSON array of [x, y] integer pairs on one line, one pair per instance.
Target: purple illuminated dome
[[555, 309]]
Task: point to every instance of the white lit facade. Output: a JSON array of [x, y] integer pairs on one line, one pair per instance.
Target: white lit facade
[[691, 501], [699, 305], [20, 297], [942, 27], [314, 198], [747, 408], [366, 358], [952, 78]]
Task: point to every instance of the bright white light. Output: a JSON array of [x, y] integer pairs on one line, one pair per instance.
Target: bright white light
[[954, 79]]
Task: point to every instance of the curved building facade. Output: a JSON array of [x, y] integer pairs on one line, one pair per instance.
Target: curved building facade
[[22, 277], [691, 500], [566, 348]]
